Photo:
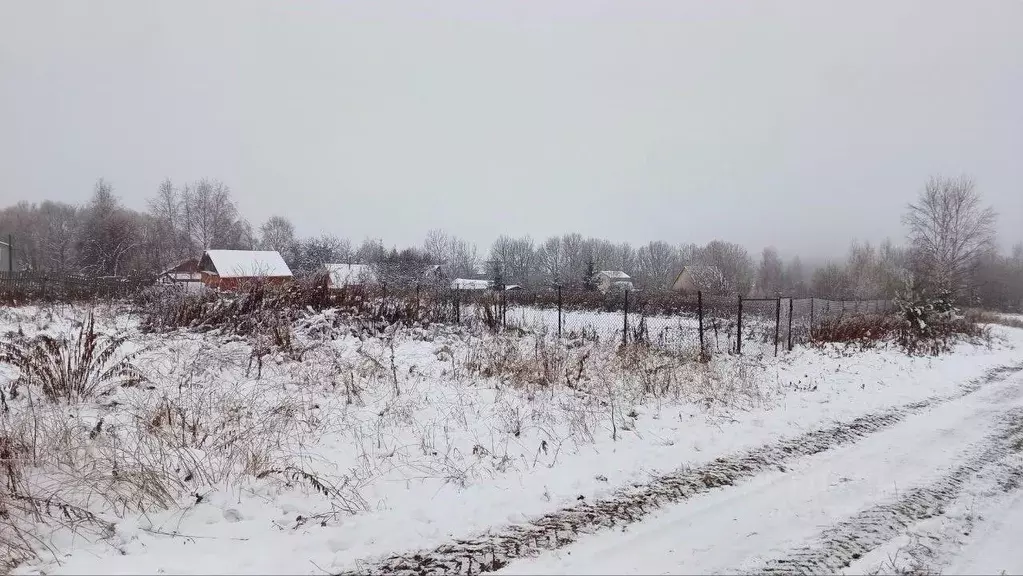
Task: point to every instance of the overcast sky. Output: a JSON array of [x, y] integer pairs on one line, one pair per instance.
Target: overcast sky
[[801, 125]]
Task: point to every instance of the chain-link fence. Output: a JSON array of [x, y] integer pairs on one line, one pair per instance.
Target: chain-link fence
[[673, 322], [685, 324]]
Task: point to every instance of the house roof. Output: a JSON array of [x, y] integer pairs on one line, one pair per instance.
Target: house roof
[[435, 270], [696, 268], [348, 274], [187, 266], [703, 276], [248, 263], [470, 284], [614, 274]]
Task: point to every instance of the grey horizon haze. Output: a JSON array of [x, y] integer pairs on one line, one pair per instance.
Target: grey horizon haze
[[802, 125]]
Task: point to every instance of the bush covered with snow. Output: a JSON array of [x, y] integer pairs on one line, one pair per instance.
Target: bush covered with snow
[[932, 324], [922, 324]]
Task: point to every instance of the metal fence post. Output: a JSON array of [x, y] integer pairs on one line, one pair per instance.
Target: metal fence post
[[738, 331], [625, 326], [810, 336], [559, 311], [790, 324], [503, 302], [699, 311], [777, 323]]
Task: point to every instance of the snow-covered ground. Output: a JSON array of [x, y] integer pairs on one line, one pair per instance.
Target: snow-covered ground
[[799, 512], [678, 334], [349, 448], [1012, 318]]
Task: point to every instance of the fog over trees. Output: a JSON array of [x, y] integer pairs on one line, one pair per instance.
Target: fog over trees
[[950, 246]]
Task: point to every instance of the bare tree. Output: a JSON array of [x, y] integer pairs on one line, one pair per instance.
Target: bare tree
[[437, 246], [624, 258], [863, 271], [603, 254], [210, 215], [517, 257], [464, 259], [831, 281], [949, 230], [733, 261], [574, 258], [770, 275], [109, 233], [59, 229], [166, 208], [891, 268], [657, 265], [370, 251], [277, 233], [550, 259], [312, 253], [690, 253], [795, 278], [21, 221]]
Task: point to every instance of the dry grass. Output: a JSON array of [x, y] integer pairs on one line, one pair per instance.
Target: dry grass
[[207, 421], [76, 464], [70, 369], [865, 332], [985, 317]]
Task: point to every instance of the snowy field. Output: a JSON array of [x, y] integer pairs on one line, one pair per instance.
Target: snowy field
[[1011, 317], [347, 449], [677, 334]]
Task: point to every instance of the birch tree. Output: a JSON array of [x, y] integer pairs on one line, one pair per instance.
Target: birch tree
[[949, 230]]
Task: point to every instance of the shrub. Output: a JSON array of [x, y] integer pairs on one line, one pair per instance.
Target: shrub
[[932, 324], [985, 317], [923, 324], [866, 331], [70, 369], [258, 304]]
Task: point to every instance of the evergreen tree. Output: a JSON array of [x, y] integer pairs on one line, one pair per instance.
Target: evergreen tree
[[590, 276], [495, 274]]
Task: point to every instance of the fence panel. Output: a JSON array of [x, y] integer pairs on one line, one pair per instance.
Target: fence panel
[[19, 287]]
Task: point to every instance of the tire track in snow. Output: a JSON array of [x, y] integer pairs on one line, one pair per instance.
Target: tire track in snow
[[840, 545], [492, 551]]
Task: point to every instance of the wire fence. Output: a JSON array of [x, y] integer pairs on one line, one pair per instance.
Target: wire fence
[[23, 287], [677, 323], [685, 324]]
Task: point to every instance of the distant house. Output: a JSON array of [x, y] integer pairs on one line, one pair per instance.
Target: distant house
[[342, 275], [696, 278], [184, 274], [436, 273], [184, 271], [470, 284], [608, 280], [229, 269]]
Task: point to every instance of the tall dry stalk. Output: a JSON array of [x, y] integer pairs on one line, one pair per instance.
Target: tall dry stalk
[[71, 369]]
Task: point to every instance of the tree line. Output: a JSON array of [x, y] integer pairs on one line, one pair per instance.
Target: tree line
[[950, 247]]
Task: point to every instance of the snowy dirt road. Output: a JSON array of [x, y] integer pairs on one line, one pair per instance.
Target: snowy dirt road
[[855, 508], [857, 497]]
